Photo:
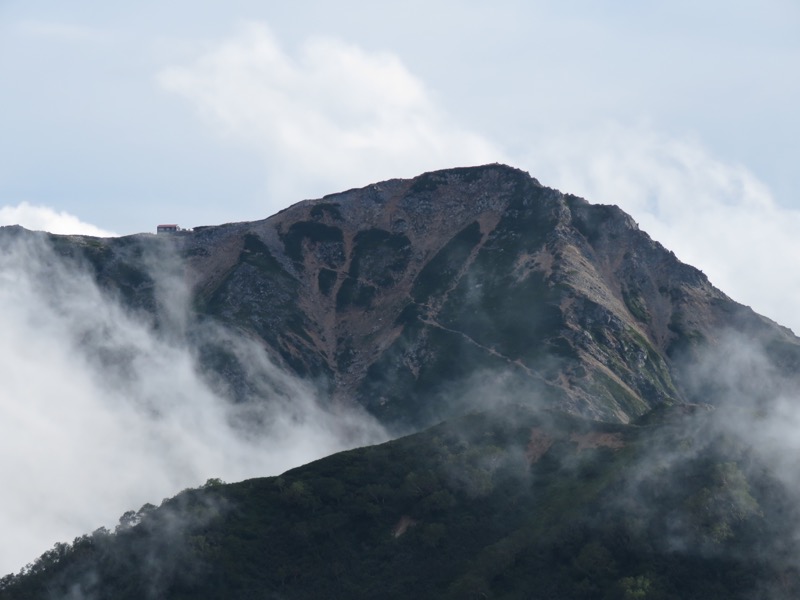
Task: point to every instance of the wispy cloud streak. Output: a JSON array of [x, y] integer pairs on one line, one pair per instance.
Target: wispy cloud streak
[[100, 412]]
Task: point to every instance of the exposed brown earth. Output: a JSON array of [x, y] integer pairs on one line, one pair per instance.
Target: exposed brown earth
[[539, 444], [401, 295], [596, 439], [542, 440]]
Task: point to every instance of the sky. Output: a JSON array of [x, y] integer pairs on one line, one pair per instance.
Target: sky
[[120, 117], [116, 117]]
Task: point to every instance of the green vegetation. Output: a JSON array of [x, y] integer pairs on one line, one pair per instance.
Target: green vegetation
[[427, 182], [356, 293], [379, 256], [316, 234], [466, 509], [332, 209], [636, 305], [440, 271], [325, 280], [256, 253]]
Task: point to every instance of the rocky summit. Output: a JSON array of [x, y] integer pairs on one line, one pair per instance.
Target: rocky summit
[[422, 298]]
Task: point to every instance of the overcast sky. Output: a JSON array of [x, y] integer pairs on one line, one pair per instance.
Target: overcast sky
[[119, 116]]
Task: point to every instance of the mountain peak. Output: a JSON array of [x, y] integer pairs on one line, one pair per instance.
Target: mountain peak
[[413, 297]]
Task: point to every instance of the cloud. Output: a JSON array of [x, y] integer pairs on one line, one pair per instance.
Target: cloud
[[758, 399], [101, 412], [714, 215], [42, 218], [331, 115], [327, 117]]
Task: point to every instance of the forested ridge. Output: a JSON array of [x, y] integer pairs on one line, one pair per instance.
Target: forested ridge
[[513, 503]]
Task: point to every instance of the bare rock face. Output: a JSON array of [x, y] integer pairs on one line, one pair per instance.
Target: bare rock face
[[423, 298]]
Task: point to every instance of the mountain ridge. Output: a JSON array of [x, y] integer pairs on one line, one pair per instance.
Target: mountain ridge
[[498, 504], [363, 286]]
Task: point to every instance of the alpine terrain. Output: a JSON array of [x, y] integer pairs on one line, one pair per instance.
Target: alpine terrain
[[576, 413]]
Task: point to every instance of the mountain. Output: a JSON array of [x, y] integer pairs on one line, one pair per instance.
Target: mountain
[[511, 503], [402, 295], [589, 417]]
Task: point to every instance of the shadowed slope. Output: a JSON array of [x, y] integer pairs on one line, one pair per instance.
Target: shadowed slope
[[502, 504]]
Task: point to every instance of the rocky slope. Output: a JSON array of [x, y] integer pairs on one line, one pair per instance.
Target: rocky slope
[[404, 295], [581, 455]]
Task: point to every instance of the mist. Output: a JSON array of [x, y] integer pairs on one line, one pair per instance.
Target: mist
[[102, 410], [718, 478], [756, 387]]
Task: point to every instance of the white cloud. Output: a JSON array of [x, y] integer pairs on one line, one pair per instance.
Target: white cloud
[[328, 117], [42, 218], [714, 215], [331, 116], [100, 414]]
